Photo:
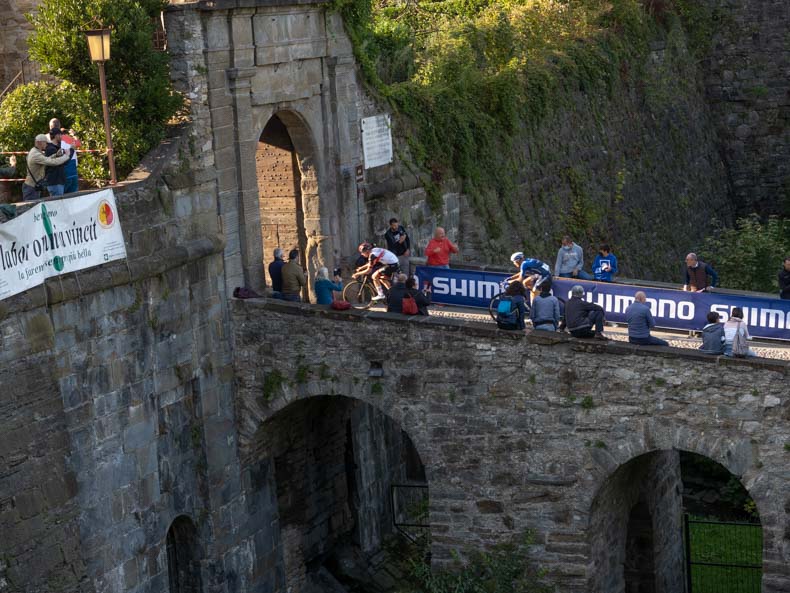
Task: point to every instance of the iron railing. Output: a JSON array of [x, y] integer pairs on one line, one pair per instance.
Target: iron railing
[[409, 504]]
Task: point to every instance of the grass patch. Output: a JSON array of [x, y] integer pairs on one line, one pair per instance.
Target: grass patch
[[722, 543]]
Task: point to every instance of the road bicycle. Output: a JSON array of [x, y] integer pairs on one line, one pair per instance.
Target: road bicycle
[[360, 292]]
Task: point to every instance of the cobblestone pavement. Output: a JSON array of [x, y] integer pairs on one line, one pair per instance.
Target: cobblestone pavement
[[777, 350]]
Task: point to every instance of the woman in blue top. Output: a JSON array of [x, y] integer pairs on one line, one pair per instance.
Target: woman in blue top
[[324, 287]]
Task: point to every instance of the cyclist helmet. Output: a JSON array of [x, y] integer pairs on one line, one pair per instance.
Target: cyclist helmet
[[363, 247], [517, 256]]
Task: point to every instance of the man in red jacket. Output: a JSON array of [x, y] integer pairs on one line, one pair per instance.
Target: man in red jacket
[[439, 249]]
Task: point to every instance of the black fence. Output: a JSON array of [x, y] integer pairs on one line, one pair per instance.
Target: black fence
[[723, 557], [410, 510]]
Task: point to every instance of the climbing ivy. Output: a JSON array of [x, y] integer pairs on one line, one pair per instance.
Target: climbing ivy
[[468, 78]]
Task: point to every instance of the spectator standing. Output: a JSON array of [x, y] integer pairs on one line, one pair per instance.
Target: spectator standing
[[583, 319], [294, 279], [605, 264], [398, 242], [640, 322], [9, 171], [37, 161], [439, 249], [276, 272], [56, 174], [784, 280], [545, 313], [713, 335], [735, 325], [324, 287], [68, 139], [697, 273], [570, 261]]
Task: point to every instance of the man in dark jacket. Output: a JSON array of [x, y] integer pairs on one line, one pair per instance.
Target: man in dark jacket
[[276, 272], [784, 280], [583, 319], [56, 175], [405, 286], [399, 243]]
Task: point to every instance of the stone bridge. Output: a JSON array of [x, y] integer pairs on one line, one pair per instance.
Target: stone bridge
[[560, 436]]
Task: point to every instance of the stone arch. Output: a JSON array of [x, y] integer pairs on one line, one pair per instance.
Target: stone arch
[[330, 462], [183, 556], [291, 206]]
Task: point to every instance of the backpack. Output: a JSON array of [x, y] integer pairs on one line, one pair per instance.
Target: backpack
[[507, 314], [739, 346], [408, 305]]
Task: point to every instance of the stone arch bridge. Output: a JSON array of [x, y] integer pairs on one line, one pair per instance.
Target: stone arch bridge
[[547, 433]]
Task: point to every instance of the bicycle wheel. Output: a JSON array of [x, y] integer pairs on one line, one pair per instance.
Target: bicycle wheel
[[359, 294]]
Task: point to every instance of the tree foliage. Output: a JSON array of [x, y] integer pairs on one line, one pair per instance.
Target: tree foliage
[[140, 95], [749, 256]]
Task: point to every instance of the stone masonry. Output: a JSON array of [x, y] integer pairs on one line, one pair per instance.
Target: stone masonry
[[544, 433]]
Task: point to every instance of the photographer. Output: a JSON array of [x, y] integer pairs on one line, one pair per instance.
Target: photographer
[[324, 286], [37, 162], [398, 242], [56, 174]]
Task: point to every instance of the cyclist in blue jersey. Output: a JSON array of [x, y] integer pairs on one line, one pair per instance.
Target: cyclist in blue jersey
[[531, 272]]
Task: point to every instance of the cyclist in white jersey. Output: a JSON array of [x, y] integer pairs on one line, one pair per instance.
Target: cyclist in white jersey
[[381, 265]]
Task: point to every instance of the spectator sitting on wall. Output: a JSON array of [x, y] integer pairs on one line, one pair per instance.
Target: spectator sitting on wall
[[518, 297], [640, 321], [545, 313], [398, 242], [324, 286], [570, 261], [276, 272], [784, 280], [294, 279], [403, 286], [583, 319], [37, 162], [735, 324], [605, 264], [439, 249], [697, 273], [713, 335]]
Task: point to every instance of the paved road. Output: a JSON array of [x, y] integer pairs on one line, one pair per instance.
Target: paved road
[[778, 350]]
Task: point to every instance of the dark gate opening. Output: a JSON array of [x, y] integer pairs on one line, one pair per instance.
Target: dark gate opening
[[723, 556]]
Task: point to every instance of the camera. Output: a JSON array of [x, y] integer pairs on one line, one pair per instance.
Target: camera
[[336, 272]]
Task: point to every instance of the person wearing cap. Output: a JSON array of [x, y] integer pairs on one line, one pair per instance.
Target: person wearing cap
[[583, 319], [276, 273], [37, 162], [68, 139], [294, 279], [56, 174]]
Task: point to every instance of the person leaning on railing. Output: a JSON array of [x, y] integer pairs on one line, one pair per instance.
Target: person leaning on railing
[[37, 162]]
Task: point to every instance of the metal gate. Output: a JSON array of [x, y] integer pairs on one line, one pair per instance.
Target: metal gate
[[410, 510], [723, 557]]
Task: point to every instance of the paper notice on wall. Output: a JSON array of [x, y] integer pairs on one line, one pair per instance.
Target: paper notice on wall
[[376, 141], [59, 237]]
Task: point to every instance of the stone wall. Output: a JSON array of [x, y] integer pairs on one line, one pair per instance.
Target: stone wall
[[748, 88], [14, 31], [524, 433]]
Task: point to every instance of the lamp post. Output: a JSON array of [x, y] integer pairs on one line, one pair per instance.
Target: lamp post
[[99, 48]]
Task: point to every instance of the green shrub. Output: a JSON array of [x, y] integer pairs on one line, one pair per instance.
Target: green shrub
[[749, 256], [140, 95]]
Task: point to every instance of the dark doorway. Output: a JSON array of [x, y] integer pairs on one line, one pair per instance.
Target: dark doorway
[[183, 557], [639, 569], [279, 193]]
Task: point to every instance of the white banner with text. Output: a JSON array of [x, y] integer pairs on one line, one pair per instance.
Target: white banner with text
[[59, 237]]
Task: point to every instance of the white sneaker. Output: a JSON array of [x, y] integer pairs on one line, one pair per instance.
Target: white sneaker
[[378, 297]]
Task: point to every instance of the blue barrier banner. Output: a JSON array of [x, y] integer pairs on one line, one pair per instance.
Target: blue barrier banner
[[672, 309]]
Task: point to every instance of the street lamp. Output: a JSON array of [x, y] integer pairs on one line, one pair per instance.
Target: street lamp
[[99, 48]]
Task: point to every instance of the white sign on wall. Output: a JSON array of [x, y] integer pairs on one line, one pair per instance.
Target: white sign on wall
[[376, 140], [58, 237]]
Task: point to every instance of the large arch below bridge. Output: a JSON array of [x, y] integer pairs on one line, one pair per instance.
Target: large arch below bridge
[[335, 468]]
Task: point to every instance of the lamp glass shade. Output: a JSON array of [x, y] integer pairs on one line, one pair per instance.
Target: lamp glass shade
[[99, 44]]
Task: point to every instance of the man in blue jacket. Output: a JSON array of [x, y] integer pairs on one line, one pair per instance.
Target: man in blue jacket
[[640, 321]]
